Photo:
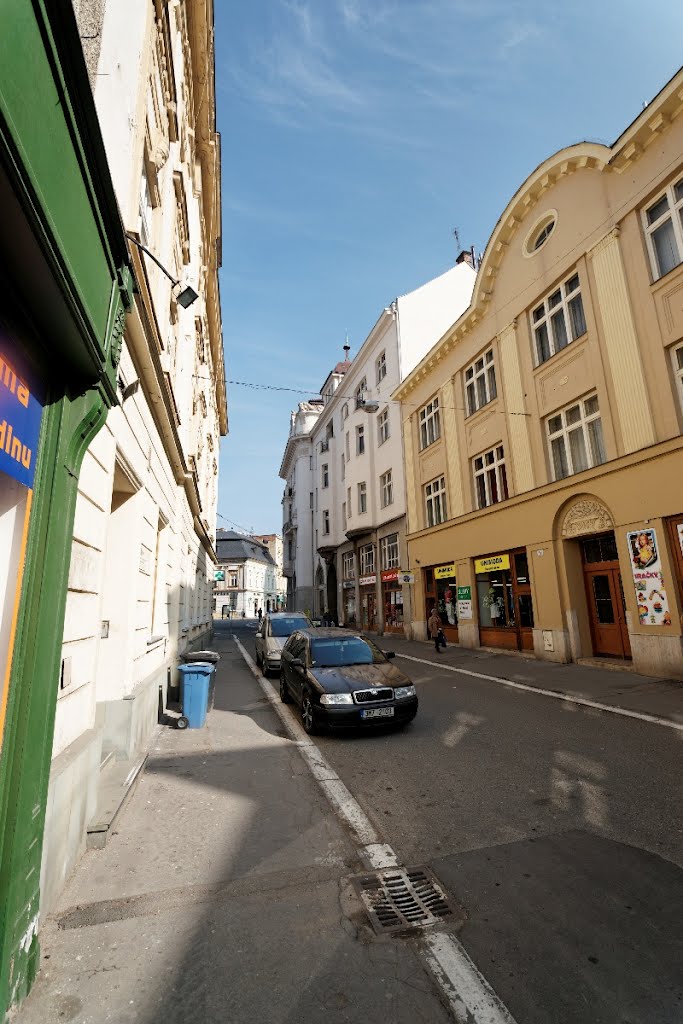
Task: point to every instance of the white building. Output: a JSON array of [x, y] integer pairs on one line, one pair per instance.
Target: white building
[[297, 506], [356, 480], [142, 566], [250, 576], [274, 544]]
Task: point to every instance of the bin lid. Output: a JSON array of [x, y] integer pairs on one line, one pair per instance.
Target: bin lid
[[206, 656], [200, 668]]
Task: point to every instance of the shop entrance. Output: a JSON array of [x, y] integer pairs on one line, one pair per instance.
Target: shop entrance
[[506, 613], [605, 596], [367, 608], [441, 592]]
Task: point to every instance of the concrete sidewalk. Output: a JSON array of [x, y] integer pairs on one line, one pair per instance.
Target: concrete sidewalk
[[219, 896], [662, 698]]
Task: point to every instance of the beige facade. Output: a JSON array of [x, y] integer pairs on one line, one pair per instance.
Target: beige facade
[[545, 427]]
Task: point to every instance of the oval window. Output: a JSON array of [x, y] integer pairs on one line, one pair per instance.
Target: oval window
[[545, 232], [540, 233]]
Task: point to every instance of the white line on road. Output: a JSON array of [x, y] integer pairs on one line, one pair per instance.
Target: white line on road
[[568, 698], [471, 998]]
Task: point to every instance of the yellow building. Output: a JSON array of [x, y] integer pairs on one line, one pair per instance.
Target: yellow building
[[542, 434]]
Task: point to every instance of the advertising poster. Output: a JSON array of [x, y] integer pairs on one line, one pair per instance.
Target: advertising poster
[[653, 606], [464, 602]]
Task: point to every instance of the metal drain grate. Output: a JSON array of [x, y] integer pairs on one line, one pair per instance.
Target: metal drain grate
[[400, 898]]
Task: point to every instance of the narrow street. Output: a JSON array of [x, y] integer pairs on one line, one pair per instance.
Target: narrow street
[[222, 894]]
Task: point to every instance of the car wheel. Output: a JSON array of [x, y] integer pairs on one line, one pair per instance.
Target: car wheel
[[307, 719], [258, 658], [284, 692], [264, 666]]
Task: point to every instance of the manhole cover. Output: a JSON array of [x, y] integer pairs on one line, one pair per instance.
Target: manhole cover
[[400, 898]]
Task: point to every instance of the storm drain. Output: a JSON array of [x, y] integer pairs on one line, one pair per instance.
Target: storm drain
[[400, 898]]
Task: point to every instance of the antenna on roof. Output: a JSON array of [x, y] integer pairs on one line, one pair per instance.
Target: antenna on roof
[[347, 348], [456, 236]]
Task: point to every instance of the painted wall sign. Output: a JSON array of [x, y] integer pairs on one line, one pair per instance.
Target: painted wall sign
[[491, 563], [445, 572], [367, 581], [389, 575], [646, 566], [464, 602], [407, 577], [20, 417]]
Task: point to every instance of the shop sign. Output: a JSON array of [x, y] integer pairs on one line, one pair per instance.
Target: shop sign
[[367, 581], [20, 416], [390, 575], [491, 563], [464, 602], [407, 577], [445, 572], [349, 584], [646, 566], [219, 576]]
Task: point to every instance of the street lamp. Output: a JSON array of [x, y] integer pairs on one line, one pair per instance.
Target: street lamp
[[187, 295]]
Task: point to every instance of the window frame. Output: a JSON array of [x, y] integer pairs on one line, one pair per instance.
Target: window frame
[[367, 559], [325, 475], [360, 439], [485, 374], [362, 497], [386, 487], [550, 313], [675, 207], [678, 371], [389, 554], [345, 411], [326, 522], [567, 429], [497, 466], [429, 423], [361, 391], [381, 366], [383, 430], [435, 499], [348, 560]]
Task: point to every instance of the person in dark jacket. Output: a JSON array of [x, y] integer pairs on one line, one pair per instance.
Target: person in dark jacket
[[435, 630]]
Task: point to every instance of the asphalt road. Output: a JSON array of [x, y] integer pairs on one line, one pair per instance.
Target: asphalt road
[[558, 828]]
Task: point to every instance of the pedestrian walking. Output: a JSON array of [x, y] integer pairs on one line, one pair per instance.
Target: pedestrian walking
[[435, 630], [260, 615]]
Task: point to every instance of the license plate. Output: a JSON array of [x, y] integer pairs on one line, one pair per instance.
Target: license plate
[[377, 713]]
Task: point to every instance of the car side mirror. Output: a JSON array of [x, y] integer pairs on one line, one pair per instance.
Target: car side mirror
[[390, 654], [296, 663]]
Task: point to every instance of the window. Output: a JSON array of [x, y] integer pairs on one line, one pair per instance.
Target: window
[[145, 210], [362, 498], [348, 565], [480, 382], [575, 438], [383, 427], [343, 515], [360, 440], [558, 320], [289, 550], [348, 446], [664, 230], [386, 488], [490, 478], [345, 411], [310, 499], [388, 552], [367, 559], [677, 358], [435, 501], [325, 476], [381, 366], [360, 393], [343, 467], [310, 462], [233, 578], [348, 500], [329, 430], [430, 424], [326, 522]]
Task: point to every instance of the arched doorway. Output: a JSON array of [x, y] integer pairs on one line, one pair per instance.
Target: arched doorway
[[332, 590], [588, 526]]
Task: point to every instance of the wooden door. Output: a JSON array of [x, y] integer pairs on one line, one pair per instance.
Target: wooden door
[[607, 611]]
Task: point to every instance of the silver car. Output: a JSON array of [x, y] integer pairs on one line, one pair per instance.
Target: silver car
[[272, 636]]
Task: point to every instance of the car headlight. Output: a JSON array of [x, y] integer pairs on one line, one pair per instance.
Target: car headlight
[[336, 698], [401, 692]]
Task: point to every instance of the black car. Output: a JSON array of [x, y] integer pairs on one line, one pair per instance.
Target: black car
[[342, 680]]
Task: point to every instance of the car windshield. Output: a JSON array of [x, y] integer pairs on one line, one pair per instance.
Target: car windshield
[[332, 652], [286, 626]]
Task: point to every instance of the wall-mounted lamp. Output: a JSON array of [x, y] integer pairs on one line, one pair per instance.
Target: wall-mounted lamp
[[370, 406], [187, 295]]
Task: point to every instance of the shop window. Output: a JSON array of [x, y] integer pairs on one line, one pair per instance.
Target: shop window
[[490, 477], [430, 423], [663, 222], [558, 320], [480, 382], [388, 552], [575, 438], [446, 606], [435, 502], [504, 595]]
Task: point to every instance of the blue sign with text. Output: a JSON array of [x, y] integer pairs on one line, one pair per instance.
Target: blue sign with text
[[20, 417]]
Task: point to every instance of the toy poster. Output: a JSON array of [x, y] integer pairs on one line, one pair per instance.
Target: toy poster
[[653, 606]]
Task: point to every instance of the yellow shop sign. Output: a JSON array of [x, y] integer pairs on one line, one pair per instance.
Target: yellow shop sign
[[445, 572], [491, 563]]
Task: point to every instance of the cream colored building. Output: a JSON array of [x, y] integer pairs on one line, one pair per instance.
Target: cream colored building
[[542, 434], [142, 568]]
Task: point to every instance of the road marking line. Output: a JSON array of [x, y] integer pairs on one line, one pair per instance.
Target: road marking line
[[471, 998], [582, 701]]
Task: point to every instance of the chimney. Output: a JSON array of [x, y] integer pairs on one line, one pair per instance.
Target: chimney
[[466, 256]]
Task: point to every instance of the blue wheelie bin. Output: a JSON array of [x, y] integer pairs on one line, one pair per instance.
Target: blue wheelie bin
[[195, 679]]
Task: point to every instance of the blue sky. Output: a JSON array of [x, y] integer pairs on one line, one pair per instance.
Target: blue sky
[[357, 134]]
